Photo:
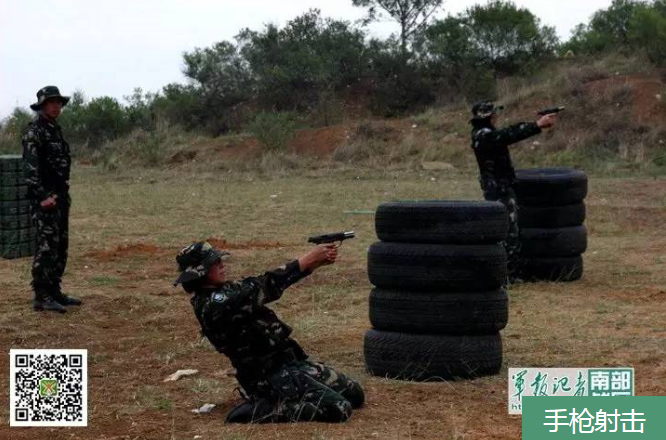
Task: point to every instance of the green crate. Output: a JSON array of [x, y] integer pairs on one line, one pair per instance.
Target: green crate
[[18, 251], [13, 193], [17, 207], [17, 236], [11, 163], [15, 178], [15, 222]]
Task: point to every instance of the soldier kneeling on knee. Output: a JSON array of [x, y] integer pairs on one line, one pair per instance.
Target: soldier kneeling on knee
[[277, 380]]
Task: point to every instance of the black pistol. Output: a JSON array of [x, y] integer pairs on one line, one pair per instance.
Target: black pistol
[[551, 111], [332, 238]]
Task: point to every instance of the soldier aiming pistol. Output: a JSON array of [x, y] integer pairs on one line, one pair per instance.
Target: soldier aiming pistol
[[497, 175]]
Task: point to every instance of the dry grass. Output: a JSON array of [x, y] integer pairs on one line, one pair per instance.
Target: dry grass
[[128, 226]]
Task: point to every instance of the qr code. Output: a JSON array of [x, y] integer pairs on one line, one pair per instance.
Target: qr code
[[48, 387]]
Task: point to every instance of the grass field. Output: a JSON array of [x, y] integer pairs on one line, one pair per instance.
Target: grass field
[[127, 228]]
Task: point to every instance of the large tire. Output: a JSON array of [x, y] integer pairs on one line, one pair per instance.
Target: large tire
[[550, 186], [551, 216], [442, 222], [552, 269], [436, 313], [431, 357], [557, 242], [437, 267]]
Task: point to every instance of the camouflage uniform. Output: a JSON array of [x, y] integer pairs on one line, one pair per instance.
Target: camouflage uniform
[[497, 175], [274, 372], [47, 165]]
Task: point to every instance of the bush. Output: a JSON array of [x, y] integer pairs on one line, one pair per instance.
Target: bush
[[274, 130], [11, 130]]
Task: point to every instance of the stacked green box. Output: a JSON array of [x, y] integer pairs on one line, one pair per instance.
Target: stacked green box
[[17, 233]]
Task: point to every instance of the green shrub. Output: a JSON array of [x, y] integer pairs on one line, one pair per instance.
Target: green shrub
[[274, 130]]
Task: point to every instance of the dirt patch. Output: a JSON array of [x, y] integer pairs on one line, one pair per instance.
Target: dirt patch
[[647, 95], [320, 142], [221, 243], [182, 157]]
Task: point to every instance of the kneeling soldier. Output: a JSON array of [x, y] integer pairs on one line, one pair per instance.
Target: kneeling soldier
[[278, 381]]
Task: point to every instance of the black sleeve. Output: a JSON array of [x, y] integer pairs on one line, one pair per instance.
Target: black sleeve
[[33, 176], [238, 299], [513, 134], [274, 282]]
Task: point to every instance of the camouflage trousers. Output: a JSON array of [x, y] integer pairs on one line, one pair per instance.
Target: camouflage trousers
[[50, 258], [307, 391], [495, 192]]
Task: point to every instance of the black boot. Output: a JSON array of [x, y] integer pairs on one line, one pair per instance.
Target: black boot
[[44, 301], [260, 411], [66, 300]]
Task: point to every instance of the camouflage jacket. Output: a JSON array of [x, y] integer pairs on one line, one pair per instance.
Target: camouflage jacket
[[235, 319], [47, 160], [491, 147]]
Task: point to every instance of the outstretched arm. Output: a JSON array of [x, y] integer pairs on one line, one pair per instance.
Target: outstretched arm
[[256, 291], [513, 134], [519, 132], [239, 299]]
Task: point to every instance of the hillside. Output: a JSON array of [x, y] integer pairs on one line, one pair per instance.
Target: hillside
[[615, 122]]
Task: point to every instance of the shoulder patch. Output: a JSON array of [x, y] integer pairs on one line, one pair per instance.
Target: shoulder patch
[[219, 297]]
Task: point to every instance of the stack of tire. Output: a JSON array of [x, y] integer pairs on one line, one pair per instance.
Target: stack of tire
[[17, 233], [551, 216], [438, 304]]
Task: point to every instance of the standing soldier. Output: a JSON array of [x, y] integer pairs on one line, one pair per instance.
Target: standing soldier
[[278, 380], [47, 166], [497, 175]]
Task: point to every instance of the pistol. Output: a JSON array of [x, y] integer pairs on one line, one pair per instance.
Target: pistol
[[551, 111], [332, 238]]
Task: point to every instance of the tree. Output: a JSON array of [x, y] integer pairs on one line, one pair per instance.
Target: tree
[[509, 38], [221, 72], [183, 105], [647, 31], [104, 120], [608, 29], [447, 50], [412, 15], [304, 61], [139, 109]]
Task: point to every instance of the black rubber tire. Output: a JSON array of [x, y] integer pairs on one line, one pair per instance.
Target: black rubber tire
[[556, 242], [442, 222], [431, 357], [436, 313], [551, 216], [552, 269], [550, 186], [437, 267]]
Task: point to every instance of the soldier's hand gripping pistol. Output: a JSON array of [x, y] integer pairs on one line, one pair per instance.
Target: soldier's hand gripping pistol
[[332, 238]]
